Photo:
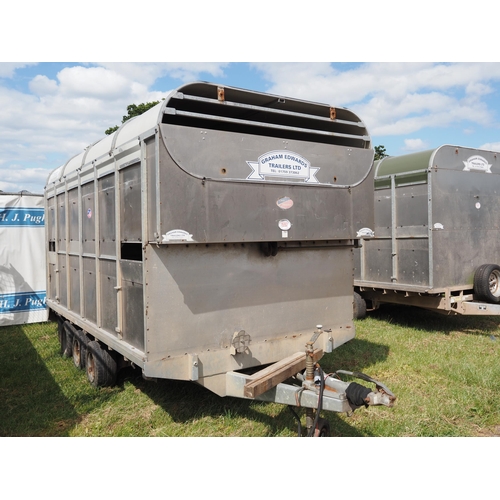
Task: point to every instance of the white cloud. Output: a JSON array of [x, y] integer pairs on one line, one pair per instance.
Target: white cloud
[[303, 80], [15, 108], [148, 73], [66, 113], [41, 85], [8, 69], [393, 98], [491, 146], [415, 145], [100, 83], [16, 178], [477, 89]]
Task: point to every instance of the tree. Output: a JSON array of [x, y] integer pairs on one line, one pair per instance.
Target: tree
[[380, 152], [133, 110]]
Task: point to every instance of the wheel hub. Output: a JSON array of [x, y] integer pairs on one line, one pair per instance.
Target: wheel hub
[[494, 282]]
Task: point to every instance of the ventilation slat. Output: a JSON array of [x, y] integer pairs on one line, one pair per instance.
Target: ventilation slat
[[265, 125], [251, 107], [253, 113]]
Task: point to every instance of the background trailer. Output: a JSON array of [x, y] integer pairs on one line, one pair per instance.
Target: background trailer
[[210, 236], [22, 259], [437, 232]]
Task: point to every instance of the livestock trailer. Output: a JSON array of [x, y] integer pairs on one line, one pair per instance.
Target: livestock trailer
[[22, 259], [206, 239], [437, 228]]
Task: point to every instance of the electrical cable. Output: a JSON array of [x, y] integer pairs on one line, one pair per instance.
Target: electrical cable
[[299, 430]]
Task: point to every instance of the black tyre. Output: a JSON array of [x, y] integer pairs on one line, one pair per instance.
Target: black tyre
[[67, 341], [61, 335], [100, 365], [487, 283], [79, 349], [359, 306]]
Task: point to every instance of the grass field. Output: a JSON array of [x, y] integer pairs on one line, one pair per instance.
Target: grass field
[[445, 372]]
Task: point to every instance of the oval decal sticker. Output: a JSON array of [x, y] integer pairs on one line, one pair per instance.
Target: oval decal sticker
[[284, 224], [285, 203]]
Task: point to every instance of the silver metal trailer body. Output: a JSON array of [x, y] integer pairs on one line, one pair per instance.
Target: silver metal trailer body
[[212, 233], [436, 224]]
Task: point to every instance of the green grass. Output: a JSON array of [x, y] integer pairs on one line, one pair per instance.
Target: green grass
[[443, 370]]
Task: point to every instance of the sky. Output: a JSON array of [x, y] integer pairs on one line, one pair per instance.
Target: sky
[[403, 72], [52, 110]]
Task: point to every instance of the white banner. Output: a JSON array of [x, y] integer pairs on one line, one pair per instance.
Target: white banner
[[22, 259]]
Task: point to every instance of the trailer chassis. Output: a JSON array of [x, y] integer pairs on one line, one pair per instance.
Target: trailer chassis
[[449, 301], [297, 381]]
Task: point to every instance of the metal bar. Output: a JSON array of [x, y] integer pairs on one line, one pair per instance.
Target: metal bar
[[118, 239], [394, 251], [416, 237], [399, 174], [429, 228], [80, 245], [97, 248], [449, 304], [267, 125], [296, 396], [56, 246], [436, 302], [362, 259], [252, 107], [144, 231], [158, 186], [408, 287], [66, 246], [478, 309], [292, 395]]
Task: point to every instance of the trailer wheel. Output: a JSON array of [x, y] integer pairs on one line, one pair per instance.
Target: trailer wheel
[[322, 429], [487, 283], [101, 367], [359, 306], [61, 335], [79, 350], [66, 342]]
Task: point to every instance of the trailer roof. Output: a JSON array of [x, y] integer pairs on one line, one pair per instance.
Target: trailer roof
[[442, 157], [406, 163], [130, 129], [241, 108]]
